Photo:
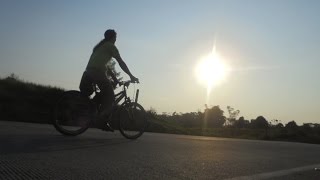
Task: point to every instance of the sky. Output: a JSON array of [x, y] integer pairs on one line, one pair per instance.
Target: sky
[[272, 48]]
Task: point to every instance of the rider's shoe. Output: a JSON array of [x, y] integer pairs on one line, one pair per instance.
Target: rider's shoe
[[103, 123], [107, 127]]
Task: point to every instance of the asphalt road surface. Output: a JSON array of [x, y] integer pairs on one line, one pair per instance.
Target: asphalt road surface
[[37, 151]]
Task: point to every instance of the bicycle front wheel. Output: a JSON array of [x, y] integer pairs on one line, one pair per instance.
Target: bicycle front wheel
[[72, 114], [132, 120]]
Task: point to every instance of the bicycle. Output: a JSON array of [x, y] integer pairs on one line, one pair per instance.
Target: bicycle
[[74, 112]]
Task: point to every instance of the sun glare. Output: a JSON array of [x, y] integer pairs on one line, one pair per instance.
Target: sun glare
[[211, 70]]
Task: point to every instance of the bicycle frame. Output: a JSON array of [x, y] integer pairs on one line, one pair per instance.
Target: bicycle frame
[[122, 94]]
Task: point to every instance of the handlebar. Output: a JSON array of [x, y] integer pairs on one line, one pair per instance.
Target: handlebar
[[114, 84], [126, 83], [116, 80]]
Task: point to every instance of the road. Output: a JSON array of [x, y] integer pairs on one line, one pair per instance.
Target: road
[[37, 151]]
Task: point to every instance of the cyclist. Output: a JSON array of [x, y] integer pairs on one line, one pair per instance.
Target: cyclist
[[96, 71]]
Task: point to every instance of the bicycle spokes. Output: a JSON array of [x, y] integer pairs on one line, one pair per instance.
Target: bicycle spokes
[[132, 120], [73, 114]]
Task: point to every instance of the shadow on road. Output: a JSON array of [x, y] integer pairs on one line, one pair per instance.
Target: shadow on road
[[33, 143]]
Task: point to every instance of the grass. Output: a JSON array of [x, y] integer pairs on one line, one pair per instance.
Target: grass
[[28, 102]]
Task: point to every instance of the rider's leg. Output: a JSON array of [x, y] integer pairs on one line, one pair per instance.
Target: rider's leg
[[107, 96], [86, 84], [106, 91]]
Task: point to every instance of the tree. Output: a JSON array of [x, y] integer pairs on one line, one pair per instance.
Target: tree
[[213, 117], [192, 119], [12, 77], [259, 122], [233, 114], [152, 112], [279, 125], [291, 125], [307, 127], [241, 123]]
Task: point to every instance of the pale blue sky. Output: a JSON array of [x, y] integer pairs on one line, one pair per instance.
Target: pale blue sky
[[273, 47]]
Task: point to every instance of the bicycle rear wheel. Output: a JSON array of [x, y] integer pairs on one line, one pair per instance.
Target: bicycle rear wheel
[[72, 114], [132, 120]]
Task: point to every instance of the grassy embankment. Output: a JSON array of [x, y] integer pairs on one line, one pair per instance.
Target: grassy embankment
[[26, 102]]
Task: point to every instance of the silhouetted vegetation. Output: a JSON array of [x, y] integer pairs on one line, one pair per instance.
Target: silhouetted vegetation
[[29, 102], [212, 122]]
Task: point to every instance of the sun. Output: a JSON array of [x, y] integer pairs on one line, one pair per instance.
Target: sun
[[211, 70]]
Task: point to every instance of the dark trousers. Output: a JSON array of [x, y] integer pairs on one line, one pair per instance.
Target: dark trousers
[[95, 76]]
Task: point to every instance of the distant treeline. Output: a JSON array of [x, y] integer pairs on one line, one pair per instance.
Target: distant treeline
[[213, 122], [29, 102]]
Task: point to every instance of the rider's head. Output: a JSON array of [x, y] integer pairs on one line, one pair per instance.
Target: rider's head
[[110, 35]]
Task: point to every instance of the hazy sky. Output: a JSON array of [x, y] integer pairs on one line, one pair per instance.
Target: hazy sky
[[272, 46]]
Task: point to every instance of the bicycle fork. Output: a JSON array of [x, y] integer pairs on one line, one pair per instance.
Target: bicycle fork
[[131, 111], [137, 95]]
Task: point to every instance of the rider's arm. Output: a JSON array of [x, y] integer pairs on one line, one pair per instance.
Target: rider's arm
[[124, 67], [122, 64]]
